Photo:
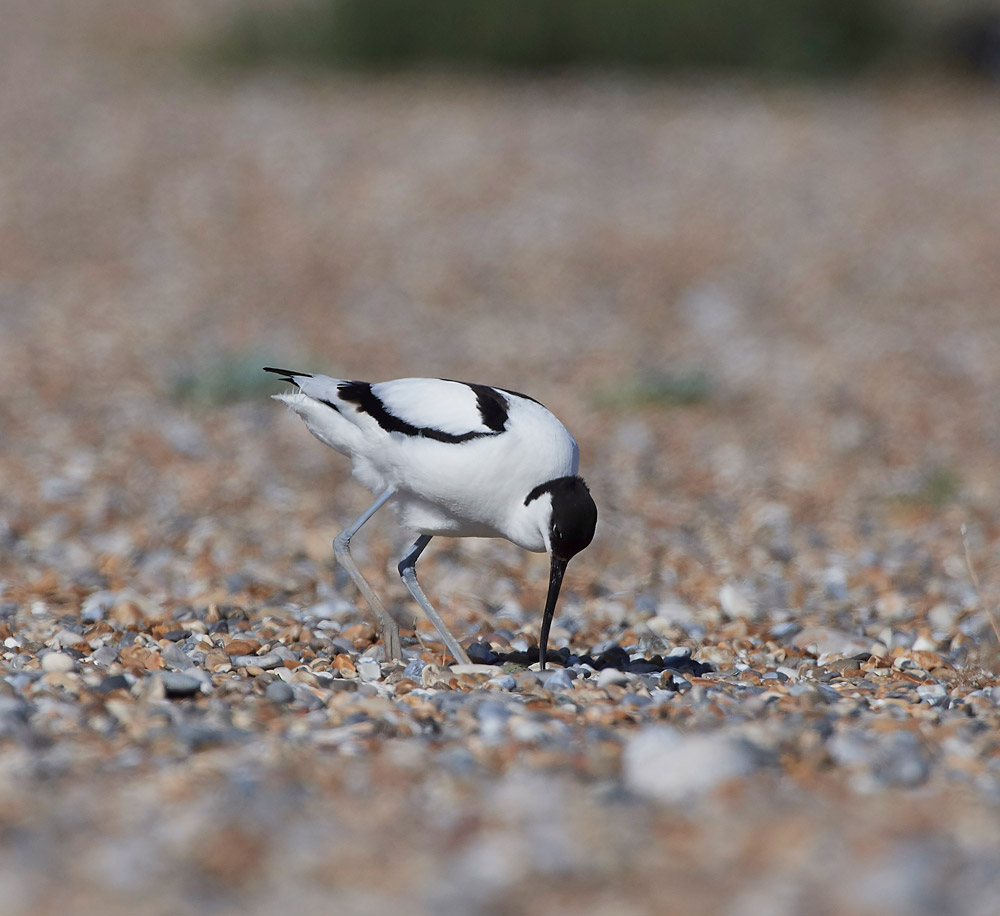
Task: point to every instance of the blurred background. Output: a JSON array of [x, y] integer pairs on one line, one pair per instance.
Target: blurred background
[[748, 252]]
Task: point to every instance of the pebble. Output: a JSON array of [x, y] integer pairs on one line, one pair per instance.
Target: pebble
[[177, 685], [935, 694], [413, 669], [175, 657], [559, 679], [669, 765], [369, 670], [279, 692], [503, 682], [113, 682], [266, 662], [611, 677], [58, 663]]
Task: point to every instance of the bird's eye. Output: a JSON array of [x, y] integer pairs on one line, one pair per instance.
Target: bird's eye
[[556, 533]]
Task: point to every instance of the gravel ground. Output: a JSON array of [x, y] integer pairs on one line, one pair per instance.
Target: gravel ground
[[769, 315]]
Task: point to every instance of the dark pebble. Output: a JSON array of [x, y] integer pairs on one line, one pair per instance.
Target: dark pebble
[[112, 682], [615, 657], [480, 654], [644, 667]]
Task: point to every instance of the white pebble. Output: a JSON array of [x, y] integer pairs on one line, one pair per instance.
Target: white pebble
[[611, 676], [57, 662], [666, 764]]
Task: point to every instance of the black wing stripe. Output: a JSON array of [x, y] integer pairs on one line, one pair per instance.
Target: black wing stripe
[[368, 402], [492, 407]]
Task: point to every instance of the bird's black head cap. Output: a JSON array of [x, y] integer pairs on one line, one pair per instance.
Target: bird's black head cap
[[574, 515]]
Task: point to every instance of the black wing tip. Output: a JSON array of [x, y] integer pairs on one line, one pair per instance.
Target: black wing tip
[[288, 375]]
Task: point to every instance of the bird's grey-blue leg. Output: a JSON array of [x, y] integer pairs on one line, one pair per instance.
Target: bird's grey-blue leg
[[342, 550], [408, 572]]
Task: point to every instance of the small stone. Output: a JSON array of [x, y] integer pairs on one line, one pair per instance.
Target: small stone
[[672, 766], [844, 665], [369, 670], [611, 676], [176, 684], [344, 665], [279, 692], [175, 657], [264, 662], [57, 662], [491, 670], [112, 682], [502, 682], [901, 760], [935, 694], [559, 679], [104, 656], [413, 669], [361, 635], [436, 676], [242, 646]]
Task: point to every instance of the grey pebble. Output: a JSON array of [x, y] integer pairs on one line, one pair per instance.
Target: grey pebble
[[270, 660], [369, 670], [503, 681], [104, 656], [413, 669], [935, 694], [558, 679], [280, 692], [285, 654], [176, 684], [176, 657], [901, 760]]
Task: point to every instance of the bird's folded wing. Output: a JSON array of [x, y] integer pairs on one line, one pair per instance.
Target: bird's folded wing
[[455, 408]]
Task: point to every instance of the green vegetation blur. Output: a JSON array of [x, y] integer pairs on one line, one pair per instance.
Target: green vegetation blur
[[808, 37]]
